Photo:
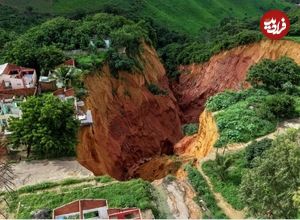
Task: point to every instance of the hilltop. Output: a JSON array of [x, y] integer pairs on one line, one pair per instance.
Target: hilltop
[[183, 16]]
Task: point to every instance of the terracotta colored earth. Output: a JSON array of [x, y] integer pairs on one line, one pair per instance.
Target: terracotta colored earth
[[133, 128], [131, 125], [226, 70]]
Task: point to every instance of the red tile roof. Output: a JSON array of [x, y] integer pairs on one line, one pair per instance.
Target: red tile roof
[[12, 67]]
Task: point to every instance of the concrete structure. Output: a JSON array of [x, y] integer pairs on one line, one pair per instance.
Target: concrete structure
[[65, 94], [8, 108], [13, 77], [47, 84], [94, 209], [83, 115]]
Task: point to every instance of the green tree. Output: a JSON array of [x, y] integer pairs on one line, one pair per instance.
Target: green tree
[[222, 165], [129, 37], [268, 188], [47, 127], [190, 129], [282, 106], [274, 75], [256, 149], [27, 54], [67, 76], [49, 57], [296, 199], [4, 37]]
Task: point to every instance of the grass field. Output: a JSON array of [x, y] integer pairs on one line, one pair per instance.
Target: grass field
[[204, 195], [293, 38], [134, 193], [230, 187], [186, 16]]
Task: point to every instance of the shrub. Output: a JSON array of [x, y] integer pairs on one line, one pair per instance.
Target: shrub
[[155, 90], [134, 193], [119, 62], [91, 61], [268, 188], [221, 101], [190, 129], [274, 75], [282, 106], [243, 122], [249, 114], [204, 196], [225, 99], [234, 167], [222, 165], [255, 149]]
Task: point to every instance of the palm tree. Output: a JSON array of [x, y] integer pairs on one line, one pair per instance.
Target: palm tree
[[222, 165], [65, 76]]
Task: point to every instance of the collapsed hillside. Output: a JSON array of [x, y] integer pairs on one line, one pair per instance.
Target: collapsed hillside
[[134, 128], [131, 125], [226, 70], [200, 144]]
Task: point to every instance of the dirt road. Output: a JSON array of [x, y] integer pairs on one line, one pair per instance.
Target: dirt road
[[33, 172]]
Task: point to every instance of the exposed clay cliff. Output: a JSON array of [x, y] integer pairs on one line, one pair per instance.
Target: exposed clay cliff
[[131, 125], [202, 143], [226, 70], [189, 149]]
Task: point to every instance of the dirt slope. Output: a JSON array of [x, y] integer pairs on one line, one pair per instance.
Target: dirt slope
[[131, 125], [177, 199], [200, 144], [226, 70]]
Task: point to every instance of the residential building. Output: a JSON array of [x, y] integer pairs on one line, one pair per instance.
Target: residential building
[[83, 115], [46, 84], [8, 108], [94, 209], [13, 77]]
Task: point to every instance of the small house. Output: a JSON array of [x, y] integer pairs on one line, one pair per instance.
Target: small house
[[94, 209], [83, 115], [13, 77], [8, 108]]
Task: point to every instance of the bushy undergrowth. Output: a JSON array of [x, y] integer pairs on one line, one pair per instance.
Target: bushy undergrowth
[[83, 35], [244, 121], [228, 187], [156, 90], [66, 182], [256, 149], [270, 181], [225, 99], [248, 114], [134, 193], [229, 33], [204, 195], [90, 61], [190, 129]]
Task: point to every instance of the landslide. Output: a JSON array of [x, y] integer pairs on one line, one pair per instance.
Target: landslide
[[135, 133], [226, 70], [131, 125], [202, 143]]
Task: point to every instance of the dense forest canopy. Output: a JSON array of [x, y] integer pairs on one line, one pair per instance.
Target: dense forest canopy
[[178, 42], [44, 46], [183, 16]]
